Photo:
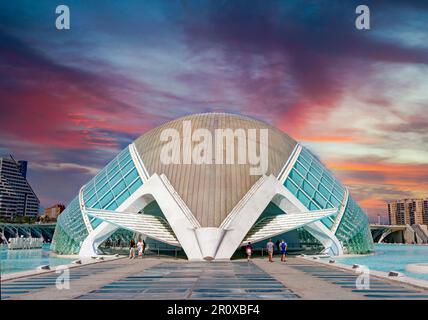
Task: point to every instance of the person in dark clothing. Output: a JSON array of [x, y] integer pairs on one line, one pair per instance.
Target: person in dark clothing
[[132, 249], [283, 246], [277, 245]]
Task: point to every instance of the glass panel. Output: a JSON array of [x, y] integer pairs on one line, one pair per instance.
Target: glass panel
[[95, 223], [308, 188], [335, 202], [328, 178], [327, 222], [96, 206], [301, 169], [327, 183], [101, 183], [312, 179], [313, 206], [317, 168], [119, 188], [324, 191], [320, 200], [291, 186], [100, 176], [296, 177], [124, 155], [89, 189], [306, 155], [115, 178], [91, 201], [303, 198], [304, 162], [106, 199], [125, 195], [113, 170], [315, 173], [338, 194], [130, 177], [112, 206], [103, 190], [127, 167], [135, 185], [328, 205]]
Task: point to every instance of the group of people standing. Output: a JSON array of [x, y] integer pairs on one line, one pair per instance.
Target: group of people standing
[[139, 246], [270, 246]]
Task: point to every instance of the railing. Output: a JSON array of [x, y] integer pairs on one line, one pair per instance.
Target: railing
[[158, 250], [152, 226], [149, 249]]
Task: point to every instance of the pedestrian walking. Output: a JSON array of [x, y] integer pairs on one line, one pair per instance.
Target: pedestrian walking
[[140, 247], [132, 249], [249, 251], [283, 247], [270, 247]]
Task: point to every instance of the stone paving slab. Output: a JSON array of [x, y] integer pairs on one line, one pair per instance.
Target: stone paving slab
[[200, 280], [82, 280], [313, 280], [167, 278]]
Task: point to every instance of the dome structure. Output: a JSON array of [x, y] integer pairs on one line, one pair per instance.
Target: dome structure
[[212, 190], [207, 183]]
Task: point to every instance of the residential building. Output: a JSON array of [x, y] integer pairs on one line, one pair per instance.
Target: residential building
[[17, 198]]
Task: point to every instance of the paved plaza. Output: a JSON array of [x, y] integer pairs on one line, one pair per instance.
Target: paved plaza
[[167, 278]]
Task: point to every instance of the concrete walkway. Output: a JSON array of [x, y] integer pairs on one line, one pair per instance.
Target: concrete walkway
[[196, 280], [168, 278], [82, 280], [312, 280], [308, 286]]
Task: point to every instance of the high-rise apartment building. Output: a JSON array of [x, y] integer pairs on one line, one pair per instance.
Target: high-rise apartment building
[[54, 211], [408, 211], [17, 198]]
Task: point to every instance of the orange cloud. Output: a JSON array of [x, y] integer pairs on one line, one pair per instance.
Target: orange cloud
[[373, 203], [325, 138], [387, 168]]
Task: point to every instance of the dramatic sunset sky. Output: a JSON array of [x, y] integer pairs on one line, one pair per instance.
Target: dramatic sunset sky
[[70, 100]]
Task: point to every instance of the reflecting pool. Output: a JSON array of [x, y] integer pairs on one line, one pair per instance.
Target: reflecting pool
[[24, 260], [389, 257]]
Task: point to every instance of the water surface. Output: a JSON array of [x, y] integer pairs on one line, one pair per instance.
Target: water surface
[[389, 257], [30, 259]]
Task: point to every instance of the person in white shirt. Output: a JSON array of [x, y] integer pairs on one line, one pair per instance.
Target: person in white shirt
[[140, 247]]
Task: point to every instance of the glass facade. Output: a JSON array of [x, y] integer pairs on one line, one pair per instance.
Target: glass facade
[[70, 230], [112, 185], [107, 190], [354, 231], [316, 188]]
